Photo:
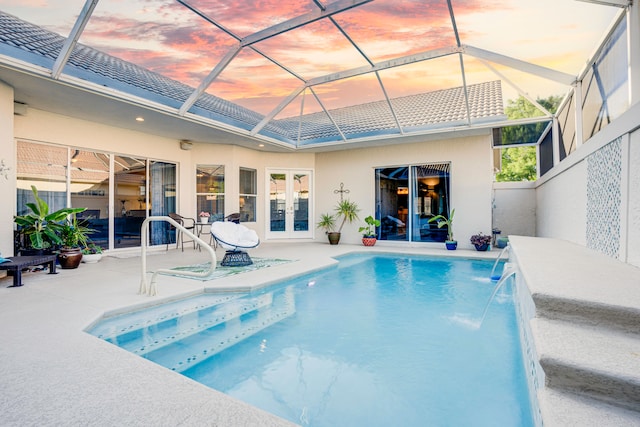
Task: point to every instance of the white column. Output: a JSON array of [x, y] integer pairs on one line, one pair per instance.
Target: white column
[[8, 184], [633, 45]]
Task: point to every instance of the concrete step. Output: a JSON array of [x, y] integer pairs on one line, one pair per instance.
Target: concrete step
[[617, 317], [592, 361], [565, 409]]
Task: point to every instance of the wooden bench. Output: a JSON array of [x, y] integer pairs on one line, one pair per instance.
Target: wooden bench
[[17, 263]]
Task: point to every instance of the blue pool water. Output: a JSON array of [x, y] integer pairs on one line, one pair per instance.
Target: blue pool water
[[378, 341]]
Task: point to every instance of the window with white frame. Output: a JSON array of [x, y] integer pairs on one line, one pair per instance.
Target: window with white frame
[[248, 194], [210, 190]]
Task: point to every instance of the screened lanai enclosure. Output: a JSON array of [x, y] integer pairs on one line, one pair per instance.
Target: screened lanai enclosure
[[318, 73], [310, 75]]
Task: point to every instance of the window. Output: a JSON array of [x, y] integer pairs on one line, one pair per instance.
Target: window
[[248, 194], [407, 197], [75, 177], [210, 190]]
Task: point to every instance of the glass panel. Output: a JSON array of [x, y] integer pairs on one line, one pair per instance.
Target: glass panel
[[161, 200], [248, 185], [210, 191], [545, 159], [278, 200], [90, 189], [430, 195], [44, 166], [567, 124], [130, 200], [519, 134], [392, 201], [301, 202], [605, 87], [163, 37]]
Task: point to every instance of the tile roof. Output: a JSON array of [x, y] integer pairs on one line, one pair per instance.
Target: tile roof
[[415, 113]]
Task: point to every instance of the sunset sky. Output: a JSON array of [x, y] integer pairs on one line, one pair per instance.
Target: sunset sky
[[166, 37]]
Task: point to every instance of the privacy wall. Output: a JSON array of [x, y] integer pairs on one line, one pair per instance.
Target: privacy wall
[[592, 197]]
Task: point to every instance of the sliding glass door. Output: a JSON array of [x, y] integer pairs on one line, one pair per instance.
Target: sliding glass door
[[407, 197], [118, 192]]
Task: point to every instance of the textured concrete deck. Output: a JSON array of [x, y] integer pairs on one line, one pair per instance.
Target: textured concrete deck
[[52, 373]]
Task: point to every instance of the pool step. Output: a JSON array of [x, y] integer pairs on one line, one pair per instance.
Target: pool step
[[208, 342], [158, 336], [120, 331], [598, 362]]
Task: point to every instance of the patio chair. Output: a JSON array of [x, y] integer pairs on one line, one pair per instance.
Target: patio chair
[[236, 239], [188, 223], [234, 217]]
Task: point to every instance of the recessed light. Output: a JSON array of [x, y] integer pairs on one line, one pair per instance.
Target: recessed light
[[139, 119], [260, 145]]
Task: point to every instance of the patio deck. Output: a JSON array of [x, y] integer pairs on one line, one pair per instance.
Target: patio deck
[[55, 374]]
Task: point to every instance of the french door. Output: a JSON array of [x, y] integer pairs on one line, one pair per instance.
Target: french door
[[289, 203]]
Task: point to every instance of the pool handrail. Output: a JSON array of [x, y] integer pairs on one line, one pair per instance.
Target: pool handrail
[[150, 288]]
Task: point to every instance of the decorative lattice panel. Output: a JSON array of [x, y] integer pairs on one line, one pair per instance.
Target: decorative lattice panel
[[604, 199]]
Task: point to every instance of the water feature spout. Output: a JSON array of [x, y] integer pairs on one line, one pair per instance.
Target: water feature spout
[[495, 276], [508, 271]]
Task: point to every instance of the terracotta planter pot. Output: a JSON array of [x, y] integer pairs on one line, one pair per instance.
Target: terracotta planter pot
[[369, 241], [69, 257], [334, 238]]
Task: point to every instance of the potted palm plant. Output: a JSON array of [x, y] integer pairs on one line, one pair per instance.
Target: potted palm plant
[[369, 231], [347, 211], [450, 243], [328, 223], [74, 236]]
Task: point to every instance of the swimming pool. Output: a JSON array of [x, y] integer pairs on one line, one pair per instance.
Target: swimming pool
[[379, 340]]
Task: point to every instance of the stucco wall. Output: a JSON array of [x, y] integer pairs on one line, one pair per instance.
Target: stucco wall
[[591, 197], [514, 208], [471, 180], [561, 205], [8, 155]]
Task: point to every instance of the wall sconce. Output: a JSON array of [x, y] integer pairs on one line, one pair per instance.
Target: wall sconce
[[4, 169], [403, 190], [186, 145]]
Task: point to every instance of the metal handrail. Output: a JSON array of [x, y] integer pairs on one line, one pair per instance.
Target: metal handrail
[[150, 288]]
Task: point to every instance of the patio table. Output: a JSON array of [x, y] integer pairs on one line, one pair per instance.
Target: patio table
[[16, 264]]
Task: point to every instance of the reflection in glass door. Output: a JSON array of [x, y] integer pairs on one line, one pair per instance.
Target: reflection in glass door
[[130, 197], [161, 199], [289, 204], [90, 189]]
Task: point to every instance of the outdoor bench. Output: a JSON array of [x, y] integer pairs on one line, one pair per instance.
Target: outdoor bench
[[17, 263]]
